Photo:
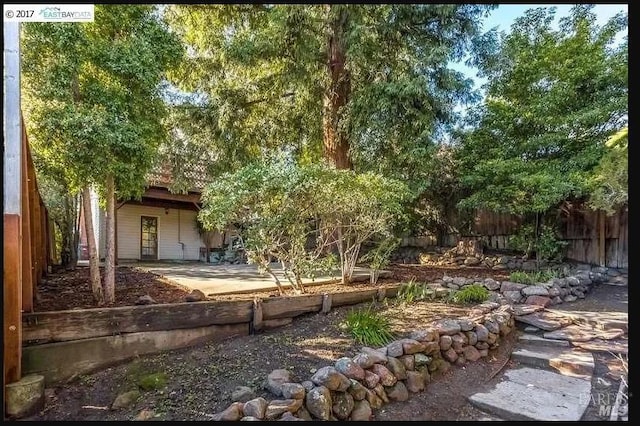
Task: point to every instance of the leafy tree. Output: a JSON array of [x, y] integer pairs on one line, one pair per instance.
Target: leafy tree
[[297, 213], [610, 181], [94, 101], [365, 86], [553, 98]]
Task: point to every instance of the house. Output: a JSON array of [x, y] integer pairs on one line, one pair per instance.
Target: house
[[160, 226]]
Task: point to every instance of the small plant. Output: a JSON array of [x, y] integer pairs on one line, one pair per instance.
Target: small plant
[[546, 245], [413, 291], [532, 277], [379, 257], [153, 381], [474, 293], [369, 327]]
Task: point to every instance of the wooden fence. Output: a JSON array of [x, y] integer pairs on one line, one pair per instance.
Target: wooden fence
[[592, 236], [63, 344], [27, 248]]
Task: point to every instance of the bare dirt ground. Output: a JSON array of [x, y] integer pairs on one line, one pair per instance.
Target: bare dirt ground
[[72, 289]]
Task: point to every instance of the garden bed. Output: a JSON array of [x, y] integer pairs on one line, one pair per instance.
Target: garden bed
[[72, 289]]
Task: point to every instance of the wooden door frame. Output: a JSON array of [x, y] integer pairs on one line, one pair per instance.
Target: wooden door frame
[[157, 218]]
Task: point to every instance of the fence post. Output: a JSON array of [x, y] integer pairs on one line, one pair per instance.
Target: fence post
[[326, 303], [256, 317], [381, 294]]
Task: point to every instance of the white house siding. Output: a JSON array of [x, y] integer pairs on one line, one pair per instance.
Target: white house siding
[[174, 227]]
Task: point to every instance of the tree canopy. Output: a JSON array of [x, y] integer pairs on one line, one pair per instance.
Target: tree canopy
[[554, 96], [367, 85]]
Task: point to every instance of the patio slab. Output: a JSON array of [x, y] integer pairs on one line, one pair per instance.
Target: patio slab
[[215, 280]]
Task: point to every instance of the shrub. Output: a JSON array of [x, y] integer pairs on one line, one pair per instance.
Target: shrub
[[474, 293], [369, 327], [532, 277], [547, 245], [413, 291], [153, 381]]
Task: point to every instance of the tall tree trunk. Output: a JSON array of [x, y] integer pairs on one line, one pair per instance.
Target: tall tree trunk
[[110, 257], [336, 96], [94, 267]]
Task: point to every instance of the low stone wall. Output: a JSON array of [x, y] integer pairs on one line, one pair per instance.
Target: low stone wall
[[352, 388]]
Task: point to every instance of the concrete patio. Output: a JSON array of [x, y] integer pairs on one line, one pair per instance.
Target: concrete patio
[[228, 279]]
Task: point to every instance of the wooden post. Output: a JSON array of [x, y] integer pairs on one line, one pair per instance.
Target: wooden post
[[12, 238], [326, 303], [44, 254], [602, 253], [27, 252], [256, 318]]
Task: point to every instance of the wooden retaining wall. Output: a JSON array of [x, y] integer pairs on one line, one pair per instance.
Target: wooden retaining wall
[[64, 344]]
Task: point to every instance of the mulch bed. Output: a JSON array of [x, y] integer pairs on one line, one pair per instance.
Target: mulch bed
[[72, 289]]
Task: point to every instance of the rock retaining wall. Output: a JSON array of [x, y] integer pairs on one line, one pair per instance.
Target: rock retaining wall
[[352, 388]]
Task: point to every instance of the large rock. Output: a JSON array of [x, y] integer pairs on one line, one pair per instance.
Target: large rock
[[447, 327], [276, 378], [465, 324], [371, 379], [421, 359], [394, 349], [457, 342], [255, 408], [425, 335], [431, 347], [472, 337], [481, 332], [195, 296], [379, 390], [450, 355], [374, 400], [332, 379], [398, 392], [304, 414], [293, 391], [386, 377], [145, 300], [361, 411], [232, 413], [538, 300], [280, 406], [410, 346], [492, 326], [511, 286], [307, 385], [397, 368], [126, 399], [512, 296], [445, 342], [409, 361], [357, 390], [482, 345], [242, 394], [471, 353], [349, 368], [368, 357], [491, 284], [342, 405], [415, 381], [535, 290], [318, 402]]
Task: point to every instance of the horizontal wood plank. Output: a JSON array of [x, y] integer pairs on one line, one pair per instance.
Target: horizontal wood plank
[[60, 326], [353, 297], [63, 361], [288, 307]]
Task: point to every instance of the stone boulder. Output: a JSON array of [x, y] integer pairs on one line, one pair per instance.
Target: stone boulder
[[255, 408], [349, 368], [386, 377], [332, 379], [318, 402], [343, 404], [276, 378]]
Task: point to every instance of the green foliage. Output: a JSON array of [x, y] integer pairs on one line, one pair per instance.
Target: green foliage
[[553, 97], [474, 293], [610, 182], [533, 277], [152, 381], [547, 245], [257, 79], [92, 95], [412, 292], [368, 327], [295, 212]]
